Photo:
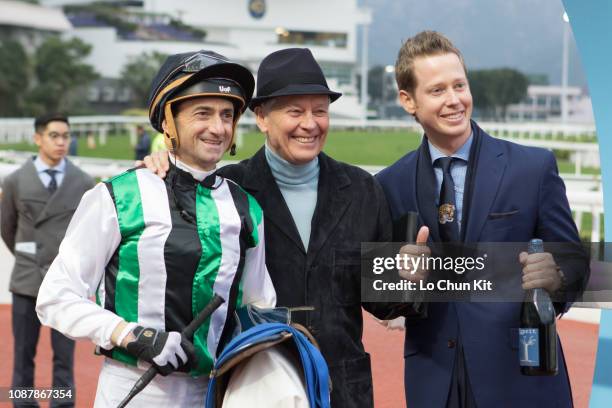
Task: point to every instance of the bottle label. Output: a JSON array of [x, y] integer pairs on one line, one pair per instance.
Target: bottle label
[[529, 350]]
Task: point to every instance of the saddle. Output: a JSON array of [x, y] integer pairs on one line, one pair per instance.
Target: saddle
[[269, 365]]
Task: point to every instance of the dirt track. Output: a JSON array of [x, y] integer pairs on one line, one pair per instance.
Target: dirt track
[[579, 341]]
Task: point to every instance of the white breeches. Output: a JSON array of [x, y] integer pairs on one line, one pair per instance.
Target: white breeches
[[175, 390]]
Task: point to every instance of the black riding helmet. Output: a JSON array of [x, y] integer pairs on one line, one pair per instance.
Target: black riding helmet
[[194, 74]]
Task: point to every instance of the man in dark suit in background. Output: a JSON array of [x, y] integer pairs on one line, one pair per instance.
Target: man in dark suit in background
[[143, 143], [469, 187], [38, 202]]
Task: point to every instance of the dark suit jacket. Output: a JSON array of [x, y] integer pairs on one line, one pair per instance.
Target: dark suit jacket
[[522, 184], [30, 214], [350, 209]]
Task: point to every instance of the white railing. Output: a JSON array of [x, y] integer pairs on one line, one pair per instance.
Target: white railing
[[587, 202], [21, 130], [15, 130], [582, 198], [96, 167], [582, 154], [526, 130]]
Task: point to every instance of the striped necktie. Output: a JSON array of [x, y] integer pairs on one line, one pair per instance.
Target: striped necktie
[[53, 183]]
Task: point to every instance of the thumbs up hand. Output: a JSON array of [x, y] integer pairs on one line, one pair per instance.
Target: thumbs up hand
[[417, 250], [422, 236]]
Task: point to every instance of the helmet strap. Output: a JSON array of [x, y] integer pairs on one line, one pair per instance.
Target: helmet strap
[[172, 140], [232, 144]]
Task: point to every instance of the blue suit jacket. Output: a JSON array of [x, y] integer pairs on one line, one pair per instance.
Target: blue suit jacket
[[517, 195]]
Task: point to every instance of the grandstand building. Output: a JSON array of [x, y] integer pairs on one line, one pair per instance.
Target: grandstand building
[[543, 103], [244, 30], [30, 23]]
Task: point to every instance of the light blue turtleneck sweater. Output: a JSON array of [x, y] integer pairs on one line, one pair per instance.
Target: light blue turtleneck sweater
[[298, 185]]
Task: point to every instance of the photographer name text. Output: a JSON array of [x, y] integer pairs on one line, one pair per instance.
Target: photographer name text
[[441, 285]]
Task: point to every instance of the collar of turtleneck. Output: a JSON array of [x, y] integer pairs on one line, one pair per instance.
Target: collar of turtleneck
[[292, 174]]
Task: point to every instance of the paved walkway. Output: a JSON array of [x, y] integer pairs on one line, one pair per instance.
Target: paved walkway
[[6, 266]]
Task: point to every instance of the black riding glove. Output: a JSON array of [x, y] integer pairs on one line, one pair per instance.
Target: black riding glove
[[167, 351]]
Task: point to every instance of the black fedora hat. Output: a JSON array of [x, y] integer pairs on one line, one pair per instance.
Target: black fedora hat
[[292, 71]]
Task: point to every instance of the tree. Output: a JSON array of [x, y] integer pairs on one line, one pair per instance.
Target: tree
[[479, 85], [508, 86], [60, 70], [494, 89], [538, 79], [14, 78], [138, 75]]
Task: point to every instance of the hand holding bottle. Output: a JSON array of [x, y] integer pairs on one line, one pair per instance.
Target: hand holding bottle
[[540, 271], [537, 331]]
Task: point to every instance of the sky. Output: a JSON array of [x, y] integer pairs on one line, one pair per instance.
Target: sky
[[522, 34]]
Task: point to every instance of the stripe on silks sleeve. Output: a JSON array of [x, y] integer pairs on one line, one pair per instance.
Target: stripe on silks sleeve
[[256, 217], [232, 202], [128, 203], [247, 238], [219, 230], [207, 220], [226, 284], [153, 275]]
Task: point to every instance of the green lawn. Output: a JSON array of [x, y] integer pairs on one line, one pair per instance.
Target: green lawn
[[587, 224], [565, 166], [117, 147], [374, 148], [367, 148], [357, 147]]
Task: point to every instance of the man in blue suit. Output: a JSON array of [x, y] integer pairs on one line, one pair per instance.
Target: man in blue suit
[[469, 187]]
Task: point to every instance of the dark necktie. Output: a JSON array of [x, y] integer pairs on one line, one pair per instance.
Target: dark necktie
[[447, 210], [53, 183]]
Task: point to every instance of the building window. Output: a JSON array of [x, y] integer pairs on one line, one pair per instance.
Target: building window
[[341, 73], [123, 95], [541, 101], [555, 101], [337, 40], [108, 94], [93, 94]]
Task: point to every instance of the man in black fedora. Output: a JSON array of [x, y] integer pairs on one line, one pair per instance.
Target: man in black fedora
[[317, 211]]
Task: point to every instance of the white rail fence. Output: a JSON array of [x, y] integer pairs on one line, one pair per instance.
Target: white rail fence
[[16, 130], [584, 192], [581, 154]]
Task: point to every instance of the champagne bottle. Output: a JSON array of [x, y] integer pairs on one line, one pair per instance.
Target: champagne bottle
[[537, 332]]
